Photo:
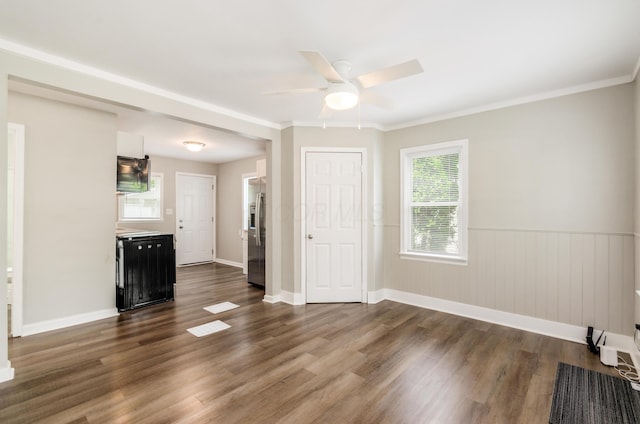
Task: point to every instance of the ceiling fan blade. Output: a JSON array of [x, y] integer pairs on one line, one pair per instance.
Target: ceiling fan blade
[[326, 112], [391, 73], [322, 66], [295, 91]]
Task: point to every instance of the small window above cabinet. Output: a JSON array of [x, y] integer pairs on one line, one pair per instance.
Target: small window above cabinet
[[146, 206]]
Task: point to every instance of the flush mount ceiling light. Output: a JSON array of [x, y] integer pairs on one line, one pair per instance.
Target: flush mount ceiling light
[[341, 96], [193, 146]]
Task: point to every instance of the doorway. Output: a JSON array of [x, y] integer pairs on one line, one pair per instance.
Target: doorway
[[195, 218], [246, 178], [15, 217], [334, 235]]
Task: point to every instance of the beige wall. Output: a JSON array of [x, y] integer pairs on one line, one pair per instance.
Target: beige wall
[[230, 207], [69, 195], [550, 210], [169, 167]]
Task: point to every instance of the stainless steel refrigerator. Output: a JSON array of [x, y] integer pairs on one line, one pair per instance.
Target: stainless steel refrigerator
[[257, 231]]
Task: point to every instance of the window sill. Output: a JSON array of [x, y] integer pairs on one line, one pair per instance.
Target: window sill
[[141, 220], [433, 258]]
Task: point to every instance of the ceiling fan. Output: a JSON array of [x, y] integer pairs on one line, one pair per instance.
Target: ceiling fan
[[343, 92]]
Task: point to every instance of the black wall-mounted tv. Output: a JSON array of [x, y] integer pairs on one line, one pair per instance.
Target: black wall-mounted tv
[[133, 174]]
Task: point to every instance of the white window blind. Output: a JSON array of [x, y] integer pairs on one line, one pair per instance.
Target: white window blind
[[434, 201]]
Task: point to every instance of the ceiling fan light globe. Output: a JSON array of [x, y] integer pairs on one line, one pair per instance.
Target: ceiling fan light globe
[[341, 96]]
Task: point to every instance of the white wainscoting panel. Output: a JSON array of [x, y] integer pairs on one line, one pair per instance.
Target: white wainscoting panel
[[582, 279]]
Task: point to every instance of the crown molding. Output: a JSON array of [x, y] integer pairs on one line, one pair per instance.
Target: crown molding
[[51, 59], [352, 125], [516, 102]]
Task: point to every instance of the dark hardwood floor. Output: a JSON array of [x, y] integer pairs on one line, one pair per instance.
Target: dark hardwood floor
[[323, 363]]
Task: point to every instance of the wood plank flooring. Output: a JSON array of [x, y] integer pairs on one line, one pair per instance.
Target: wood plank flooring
[[321, 363]]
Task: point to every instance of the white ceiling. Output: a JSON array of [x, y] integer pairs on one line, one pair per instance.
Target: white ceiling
[[475, 54]]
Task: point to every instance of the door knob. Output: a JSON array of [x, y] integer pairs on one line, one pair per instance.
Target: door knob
[[310, 236], [181, 227]]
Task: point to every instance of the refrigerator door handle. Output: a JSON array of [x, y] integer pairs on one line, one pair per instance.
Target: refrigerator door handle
[[258, 213]]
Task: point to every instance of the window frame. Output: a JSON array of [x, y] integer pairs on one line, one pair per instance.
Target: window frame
[[153, 175], [406, 188]]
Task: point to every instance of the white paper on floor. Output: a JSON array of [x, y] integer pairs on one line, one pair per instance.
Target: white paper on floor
[[221, 307], [208, 328]]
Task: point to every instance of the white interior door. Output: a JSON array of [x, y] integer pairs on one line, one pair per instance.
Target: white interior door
[[333, 205], [195, 215]]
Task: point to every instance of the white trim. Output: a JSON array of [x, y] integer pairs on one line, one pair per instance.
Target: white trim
[[292, 298], [245, 201], [515, 102], [17, 306], [363, 214], [636, 68], [7, 373], [51, 59], [323, 125], [374, 297], [555, 329], [406, 186], [230, 263], [531, 230], [244, 225], [452, 260], [58, 323], [272, 299]]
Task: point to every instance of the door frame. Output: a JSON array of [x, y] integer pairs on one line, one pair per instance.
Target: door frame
[[303, 216], [213, 211], [245, 218], [17, 284]]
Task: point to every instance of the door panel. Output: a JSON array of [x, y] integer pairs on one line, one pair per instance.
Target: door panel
[[333, 186], [194, 218]]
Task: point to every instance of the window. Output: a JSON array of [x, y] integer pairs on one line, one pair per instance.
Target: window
[[434, 202], [143, 206]]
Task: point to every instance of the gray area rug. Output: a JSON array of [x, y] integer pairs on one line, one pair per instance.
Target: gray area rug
[[585, 396]]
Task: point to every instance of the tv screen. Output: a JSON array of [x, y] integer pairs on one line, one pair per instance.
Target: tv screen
[[133, 174]]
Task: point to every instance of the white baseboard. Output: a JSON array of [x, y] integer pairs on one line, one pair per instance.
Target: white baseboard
[[375, 296], [7, 373], [58, 323], [555, 329], [292, 298], [230, 263], [271, 299]]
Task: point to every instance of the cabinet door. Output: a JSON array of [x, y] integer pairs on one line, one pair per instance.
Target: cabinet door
[[142, 279], [165, 267], [156, 273]]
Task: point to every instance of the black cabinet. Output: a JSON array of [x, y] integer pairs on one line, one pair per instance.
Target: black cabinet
[[146, 271]]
